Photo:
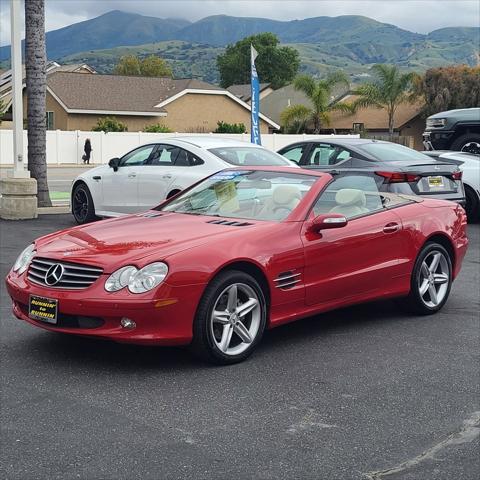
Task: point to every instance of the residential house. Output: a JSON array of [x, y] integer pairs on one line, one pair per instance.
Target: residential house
[[244, 91], [409, 122]]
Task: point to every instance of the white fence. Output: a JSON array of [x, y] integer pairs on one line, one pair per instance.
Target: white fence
[[66, 147]]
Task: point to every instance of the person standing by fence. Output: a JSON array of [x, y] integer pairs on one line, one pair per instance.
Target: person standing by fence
[[87, 148]]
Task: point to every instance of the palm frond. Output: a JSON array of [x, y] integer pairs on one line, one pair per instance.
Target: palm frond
[[306, 84], [295, 113]]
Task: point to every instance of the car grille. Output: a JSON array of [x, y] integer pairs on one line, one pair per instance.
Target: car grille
[[75, 276], [287, 280]]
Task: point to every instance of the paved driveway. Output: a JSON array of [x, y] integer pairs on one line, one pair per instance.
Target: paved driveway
[[345, 395]]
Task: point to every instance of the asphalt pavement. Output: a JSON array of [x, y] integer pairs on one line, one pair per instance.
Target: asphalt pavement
[[367, 392]]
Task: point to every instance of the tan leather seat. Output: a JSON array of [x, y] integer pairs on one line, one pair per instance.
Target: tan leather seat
[[350, 202], [283, 200]]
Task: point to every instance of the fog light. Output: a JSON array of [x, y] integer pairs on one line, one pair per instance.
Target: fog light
[[127, 323]]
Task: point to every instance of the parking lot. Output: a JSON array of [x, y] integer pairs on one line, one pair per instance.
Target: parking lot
[[367, 392]]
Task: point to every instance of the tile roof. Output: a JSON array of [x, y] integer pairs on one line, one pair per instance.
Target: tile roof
[[117, 92], [373, 118]]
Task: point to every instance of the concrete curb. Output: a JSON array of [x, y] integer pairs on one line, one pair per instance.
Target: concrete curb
[[53, 210]]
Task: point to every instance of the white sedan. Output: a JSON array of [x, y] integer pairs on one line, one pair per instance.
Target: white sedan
[[148, 174], [469, 164]]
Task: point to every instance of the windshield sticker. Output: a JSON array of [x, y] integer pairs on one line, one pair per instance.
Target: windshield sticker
[[228, 175], [227, 196]]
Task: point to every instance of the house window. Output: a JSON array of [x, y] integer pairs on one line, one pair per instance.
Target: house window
[[50, 121], [358, 127]]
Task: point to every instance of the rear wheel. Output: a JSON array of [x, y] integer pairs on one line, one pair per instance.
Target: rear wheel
[[472, 206], [230, 319], [83, 208], [468, 143], [431, 280]]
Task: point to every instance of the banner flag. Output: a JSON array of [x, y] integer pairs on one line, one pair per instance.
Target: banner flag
[[255, 99]]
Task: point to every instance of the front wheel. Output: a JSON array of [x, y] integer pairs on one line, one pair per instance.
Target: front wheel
[[83, 208], [468, 143], [431, 280], [230, 319]]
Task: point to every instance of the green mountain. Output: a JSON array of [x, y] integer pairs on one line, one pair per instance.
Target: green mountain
[[350, 42]]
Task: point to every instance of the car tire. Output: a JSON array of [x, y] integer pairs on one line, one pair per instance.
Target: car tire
[[472, 206], [172, 193], [83, 208], [431, 280], [232, 334], [468, 143]]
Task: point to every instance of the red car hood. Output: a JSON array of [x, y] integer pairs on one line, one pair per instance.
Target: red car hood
[[113, 243]]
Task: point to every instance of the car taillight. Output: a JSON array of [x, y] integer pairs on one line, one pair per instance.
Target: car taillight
[[398, 177], [457, 175]]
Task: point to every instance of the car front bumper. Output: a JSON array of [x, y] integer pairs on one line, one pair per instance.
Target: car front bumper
[[163, 319], [437, 140]]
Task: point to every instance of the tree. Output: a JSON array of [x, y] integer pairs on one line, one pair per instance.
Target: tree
[[295, 118], [151, 66], [109, 124], [447, 88], [275, 65], [36, 81], [390, 89], [319, 92]]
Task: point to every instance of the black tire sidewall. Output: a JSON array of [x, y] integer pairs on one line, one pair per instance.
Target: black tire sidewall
[[460, 142], [474, 208], [91, 208], [415, 300], [203, 343]]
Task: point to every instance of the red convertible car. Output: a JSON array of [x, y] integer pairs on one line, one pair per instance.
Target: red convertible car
[[241, 251]]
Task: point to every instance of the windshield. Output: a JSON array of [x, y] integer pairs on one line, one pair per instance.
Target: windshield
[[392, 152], [244, 194], [253, 156]]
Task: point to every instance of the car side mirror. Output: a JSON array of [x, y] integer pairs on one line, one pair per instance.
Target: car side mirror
[[113, 163], [327, 221]]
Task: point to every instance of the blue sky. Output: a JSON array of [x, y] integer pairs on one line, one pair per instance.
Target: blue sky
[[416, 15]]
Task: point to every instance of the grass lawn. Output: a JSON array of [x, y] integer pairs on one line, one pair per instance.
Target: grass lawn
[[60, 195]]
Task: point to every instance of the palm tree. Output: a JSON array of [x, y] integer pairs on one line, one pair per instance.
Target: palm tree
[[319, 92], [36, 79], [390, 89]]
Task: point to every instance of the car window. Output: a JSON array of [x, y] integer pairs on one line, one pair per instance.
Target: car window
[[166, 155], [391, 152], [325, 154], [294, 153], [350, 195], [242, 156], [137, 157]]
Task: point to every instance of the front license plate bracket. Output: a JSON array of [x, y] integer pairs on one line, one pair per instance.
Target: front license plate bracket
[[43, 309]]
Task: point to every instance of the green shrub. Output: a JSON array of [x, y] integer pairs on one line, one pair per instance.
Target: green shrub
[[223, 127], [109, 124], [156, 128]]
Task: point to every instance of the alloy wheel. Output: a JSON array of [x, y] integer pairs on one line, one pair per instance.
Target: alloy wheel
[[471, 147], [235, 319], [80, 204], [434, 279]]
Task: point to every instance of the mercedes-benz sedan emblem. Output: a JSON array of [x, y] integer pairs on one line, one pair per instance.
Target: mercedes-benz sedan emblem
[[54, 274]]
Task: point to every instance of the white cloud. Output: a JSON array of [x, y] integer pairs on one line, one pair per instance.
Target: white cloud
[[415, 15]]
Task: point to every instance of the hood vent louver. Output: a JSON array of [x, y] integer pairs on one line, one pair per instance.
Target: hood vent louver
[[287, 280], [232, 223], [150, 214]]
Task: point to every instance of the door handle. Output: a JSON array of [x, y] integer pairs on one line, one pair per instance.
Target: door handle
[[167, 175], [391, 227], [97, 177], [132, 175]]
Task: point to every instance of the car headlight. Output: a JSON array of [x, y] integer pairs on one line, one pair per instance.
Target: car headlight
[[137, 281], [148, 277], [24, 259], [120, 278], [436, 122]]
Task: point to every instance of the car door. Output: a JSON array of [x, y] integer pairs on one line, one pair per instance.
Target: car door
[[361, 257], [120, 188]]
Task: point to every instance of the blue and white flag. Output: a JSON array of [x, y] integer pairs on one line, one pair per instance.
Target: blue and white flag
[[255, 100]]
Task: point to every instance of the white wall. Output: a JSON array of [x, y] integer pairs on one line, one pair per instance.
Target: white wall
[[67, 147]]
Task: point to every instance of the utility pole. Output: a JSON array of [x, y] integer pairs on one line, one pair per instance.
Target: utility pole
[[19, 170], [18, 192]]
